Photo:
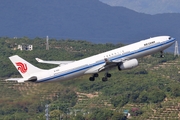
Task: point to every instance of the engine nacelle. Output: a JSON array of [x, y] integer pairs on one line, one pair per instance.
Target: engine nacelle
[[128, 64]]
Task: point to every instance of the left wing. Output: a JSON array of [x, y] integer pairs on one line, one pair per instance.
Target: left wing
[[122, 64], [113, 62], [108, 64], [54, 62]]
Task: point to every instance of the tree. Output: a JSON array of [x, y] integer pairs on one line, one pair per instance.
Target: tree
[[56, 114], [143, 97], [79, 117], [135, 112], [175, 90], [118, 116], [100, 114], [156, 96]]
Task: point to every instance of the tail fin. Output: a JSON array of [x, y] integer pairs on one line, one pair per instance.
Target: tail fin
[[25, 68]]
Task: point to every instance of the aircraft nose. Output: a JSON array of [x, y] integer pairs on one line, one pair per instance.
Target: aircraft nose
[[171, 38]]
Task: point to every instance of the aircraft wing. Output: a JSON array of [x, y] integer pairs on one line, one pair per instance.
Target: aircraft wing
[[54, 62], [109, 64], [114, 62]]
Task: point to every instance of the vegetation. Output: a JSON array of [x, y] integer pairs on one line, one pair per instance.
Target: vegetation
[[146, 91]]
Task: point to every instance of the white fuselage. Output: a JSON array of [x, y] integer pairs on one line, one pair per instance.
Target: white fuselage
[[92, 64]]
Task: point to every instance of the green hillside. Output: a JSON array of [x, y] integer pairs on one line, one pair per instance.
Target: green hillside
[[149, 91]]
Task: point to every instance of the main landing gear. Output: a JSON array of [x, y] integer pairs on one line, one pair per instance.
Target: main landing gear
[[162, 54], [105, 78], [93, 77]]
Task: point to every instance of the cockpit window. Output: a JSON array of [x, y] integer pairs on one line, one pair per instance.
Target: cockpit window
[[169, 38]]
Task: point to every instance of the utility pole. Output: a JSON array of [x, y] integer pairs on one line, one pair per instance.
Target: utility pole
[[176, 50], [47, 111], [47, 43]]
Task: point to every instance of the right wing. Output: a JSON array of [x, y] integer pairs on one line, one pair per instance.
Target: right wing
[[54, 62]]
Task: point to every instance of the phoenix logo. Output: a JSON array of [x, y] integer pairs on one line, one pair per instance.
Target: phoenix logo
[[22, 67]]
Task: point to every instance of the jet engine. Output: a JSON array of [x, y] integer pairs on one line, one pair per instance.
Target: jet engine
[[128, 64]]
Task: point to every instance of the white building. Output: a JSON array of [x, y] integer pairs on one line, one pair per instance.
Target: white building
[[25, 47]]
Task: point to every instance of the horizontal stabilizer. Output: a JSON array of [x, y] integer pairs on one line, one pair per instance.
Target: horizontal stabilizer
[[19, 80]]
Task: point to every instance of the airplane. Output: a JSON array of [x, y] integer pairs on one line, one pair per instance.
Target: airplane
[[123, 58]]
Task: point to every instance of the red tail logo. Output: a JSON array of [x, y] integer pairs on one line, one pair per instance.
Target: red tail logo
[[22, 67]]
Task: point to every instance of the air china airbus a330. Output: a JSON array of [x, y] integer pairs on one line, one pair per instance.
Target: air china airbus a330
[[123, 58]]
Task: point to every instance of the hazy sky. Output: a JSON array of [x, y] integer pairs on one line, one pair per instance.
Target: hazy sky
[[148, 6]]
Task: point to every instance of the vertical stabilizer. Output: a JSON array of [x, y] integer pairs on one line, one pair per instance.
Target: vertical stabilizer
[[25, 68]]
